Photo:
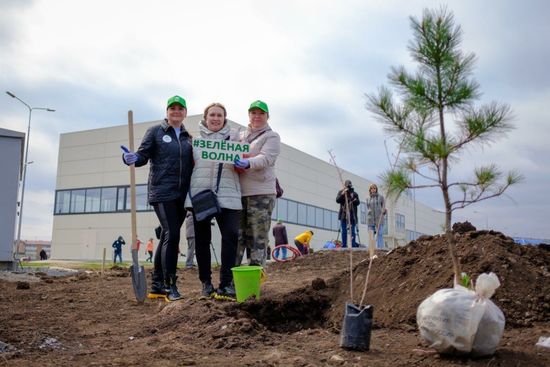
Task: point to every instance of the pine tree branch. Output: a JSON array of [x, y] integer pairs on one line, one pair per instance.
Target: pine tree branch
[[462, 184], [422, 186], [424, 176], [484, 124], [466, 203]]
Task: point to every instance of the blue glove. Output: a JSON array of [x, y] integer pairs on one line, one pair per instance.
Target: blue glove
[[242, 163], [129, 157]]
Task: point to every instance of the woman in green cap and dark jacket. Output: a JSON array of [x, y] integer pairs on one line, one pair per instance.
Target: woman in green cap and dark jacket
[[167, 146], [257, 177], [205, 174]]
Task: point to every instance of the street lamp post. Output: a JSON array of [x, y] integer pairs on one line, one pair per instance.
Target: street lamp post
[[25, 163]]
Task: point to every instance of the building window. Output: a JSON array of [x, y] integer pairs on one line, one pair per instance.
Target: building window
[[121, 199], [99, 200], [399, 222], [274, 215], [335, 222], [327, 220], [117, 199], [93, 200], [412, 235], [292, 211], [78, 201], [62, 202], [302, 214], [141, 198], [311, 216], [282, 209], [319, 217], [108, 199]]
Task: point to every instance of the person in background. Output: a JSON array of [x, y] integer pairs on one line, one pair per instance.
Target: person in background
[[257, 177], [117, 246], [281, 238], [190, 235], [43, 255], [149, 250], [167, 146], [376, 209], [138, 243], [205, 176], [348, 196], [302, 241]]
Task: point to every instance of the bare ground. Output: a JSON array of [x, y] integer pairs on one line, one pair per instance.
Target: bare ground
[[86, 319]]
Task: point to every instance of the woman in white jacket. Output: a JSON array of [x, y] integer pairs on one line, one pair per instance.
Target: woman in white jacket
[[205, 173], [257, 175]]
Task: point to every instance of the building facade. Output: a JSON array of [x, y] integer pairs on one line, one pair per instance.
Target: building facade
[[11, 148], [92, 197], [30, 250]]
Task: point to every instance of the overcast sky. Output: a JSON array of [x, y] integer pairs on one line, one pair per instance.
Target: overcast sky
[[312, 61]]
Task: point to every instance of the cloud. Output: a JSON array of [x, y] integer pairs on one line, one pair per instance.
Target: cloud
[[312, 61], [37, 214]]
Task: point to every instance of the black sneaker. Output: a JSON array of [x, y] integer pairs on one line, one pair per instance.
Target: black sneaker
[[157, 290], [173, 293], [226, 293], [208, 290], [155, 293]]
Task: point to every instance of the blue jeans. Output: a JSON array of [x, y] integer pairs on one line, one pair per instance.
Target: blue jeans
[[379, 237], [278, 250], [344, 226], [119, 254]]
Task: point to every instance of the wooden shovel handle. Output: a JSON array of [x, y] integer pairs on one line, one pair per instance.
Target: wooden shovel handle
[[132, 181]]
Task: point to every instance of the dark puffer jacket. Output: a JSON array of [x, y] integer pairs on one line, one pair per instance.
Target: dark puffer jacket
[[353, 201], [171, 162]]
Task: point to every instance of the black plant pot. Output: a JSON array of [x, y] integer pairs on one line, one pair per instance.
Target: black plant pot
[[357, 327]]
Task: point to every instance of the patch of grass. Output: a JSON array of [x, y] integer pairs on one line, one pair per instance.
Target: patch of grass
[[80, 265]]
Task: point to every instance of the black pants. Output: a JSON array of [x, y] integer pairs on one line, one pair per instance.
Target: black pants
[[228, 222], [171, 215], [301, 247]]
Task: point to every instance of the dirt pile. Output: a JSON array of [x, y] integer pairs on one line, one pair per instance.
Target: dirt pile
[[463, 227], [93, 319], [403, 278]]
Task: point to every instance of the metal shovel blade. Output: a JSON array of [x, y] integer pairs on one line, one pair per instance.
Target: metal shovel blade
[[138, 277]]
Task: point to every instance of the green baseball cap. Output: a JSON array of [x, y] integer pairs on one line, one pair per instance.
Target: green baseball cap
[[176, 99], [259, 104]]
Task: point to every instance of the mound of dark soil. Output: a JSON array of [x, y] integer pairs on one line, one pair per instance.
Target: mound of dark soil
[[95, 319], [403, 278], [463, 227]]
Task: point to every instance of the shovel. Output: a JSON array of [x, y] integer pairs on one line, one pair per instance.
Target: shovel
[[137, 272], [138, 277]]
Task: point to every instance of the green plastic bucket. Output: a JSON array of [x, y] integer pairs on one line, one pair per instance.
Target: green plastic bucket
[[247, 281]]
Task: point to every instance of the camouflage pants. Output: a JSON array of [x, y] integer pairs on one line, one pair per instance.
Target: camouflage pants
[[254, 228]]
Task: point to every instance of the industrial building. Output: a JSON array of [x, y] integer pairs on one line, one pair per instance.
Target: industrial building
[[12, 144], [92, 197]]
